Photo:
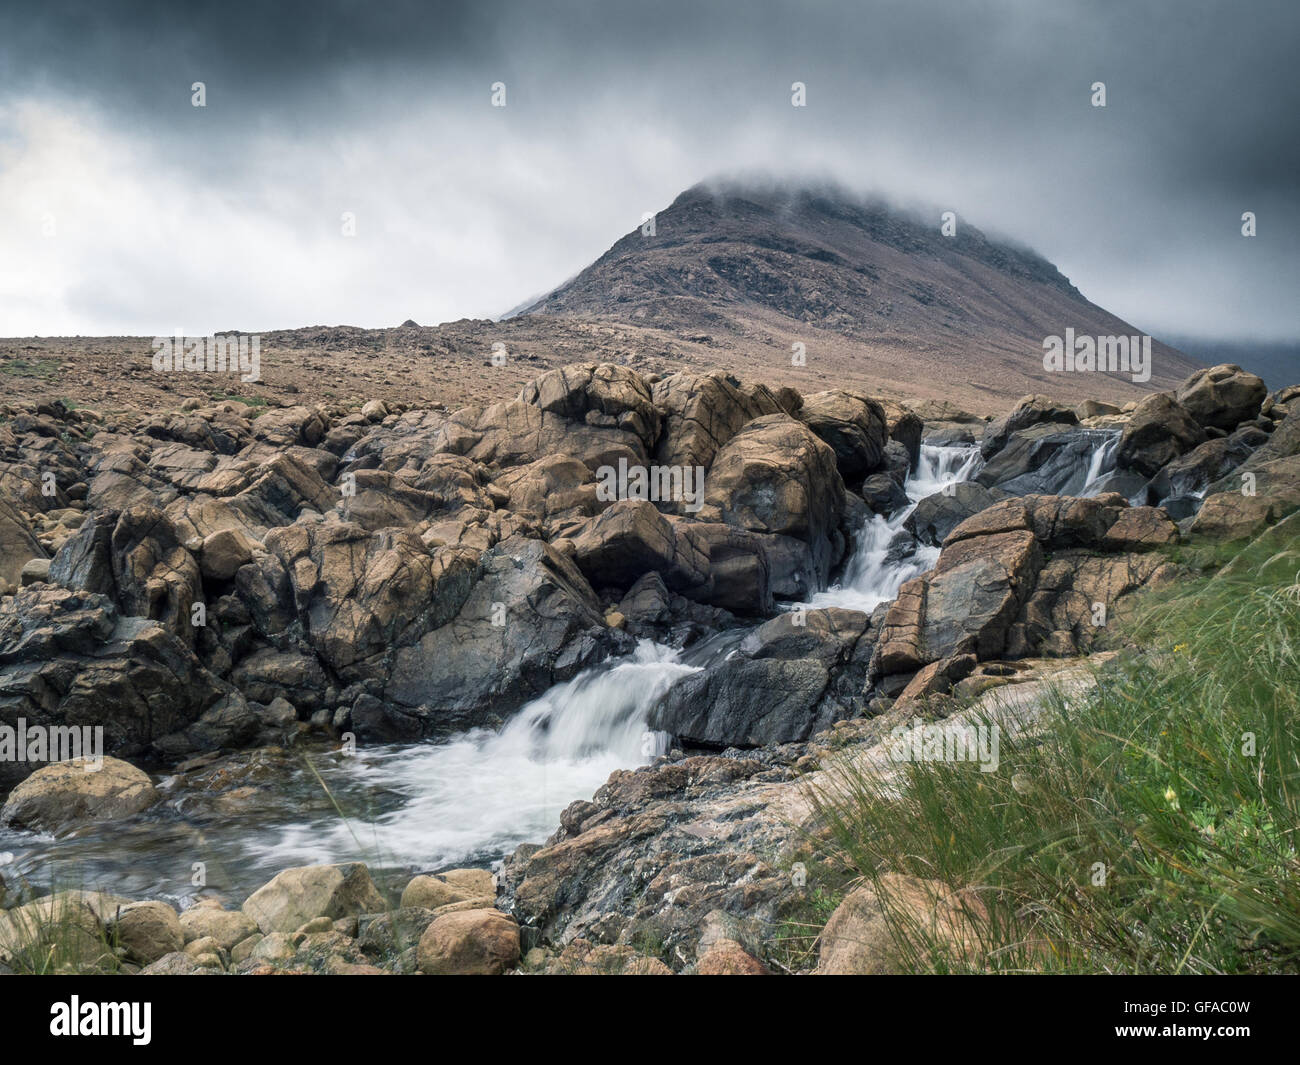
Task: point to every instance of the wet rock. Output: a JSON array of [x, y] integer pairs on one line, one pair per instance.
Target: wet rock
[[1031, 410], [791, 677], [937, 515], [883, 494], [1044, 459], [906, 428], [1206, 463], [529, 621], [66, 794]]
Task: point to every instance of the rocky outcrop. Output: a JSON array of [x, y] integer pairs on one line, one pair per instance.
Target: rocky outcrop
[[1024, 577], [528, 621], [853, 425], [18, 545], [1158, 431], [69, 658], [469, 943], [1221, 397], [1031, 410], [862, 936], [775, 476], [791, 677], [298, 895]]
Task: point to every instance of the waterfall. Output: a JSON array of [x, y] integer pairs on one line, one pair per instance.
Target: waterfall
[[1101, 465], [871, 576], [482, 793]]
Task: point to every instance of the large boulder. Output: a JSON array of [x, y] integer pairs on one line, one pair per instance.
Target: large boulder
[[702, 412], [776, 476], [529, 621], [135, 556], [1250, 499], [301, 894], [1158, 431], [67, 794], [605, 395], [632, 538], [905, 428], [1024, 577], [208, 919], [1190, 474], [879, 928], [469, 943], [935, 516], [147, 931], [853, 425], [1222, 397], [792, 677], [1030, 410], [155, 576], [359, 595], [964, 606]]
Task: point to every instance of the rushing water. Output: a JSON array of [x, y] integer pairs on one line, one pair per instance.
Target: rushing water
[[424, 806], [469, 800], [871, 576]]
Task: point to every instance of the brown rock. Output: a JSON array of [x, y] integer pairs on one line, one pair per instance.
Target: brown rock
[[469, 943], [59, 796]]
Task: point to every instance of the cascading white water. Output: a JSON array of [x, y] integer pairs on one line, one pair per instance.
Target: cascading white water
[[1101, 466], [870, 577], [471, 799], [482, 793]]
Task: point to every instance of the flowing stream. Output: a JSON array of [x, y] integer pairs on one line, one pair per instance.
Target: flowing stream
[[468, 800]]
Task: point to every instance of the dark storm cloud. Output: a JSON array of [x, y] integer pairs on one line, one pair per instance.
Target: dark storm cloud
[[977, 105]]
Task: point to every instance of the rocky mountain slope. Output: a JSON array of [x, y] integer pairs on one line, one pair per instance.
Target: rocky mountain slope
[[731, 279]]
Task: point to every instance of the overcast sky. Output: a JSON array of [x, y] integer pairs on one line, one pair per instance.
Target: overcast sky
[[125, 209]]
